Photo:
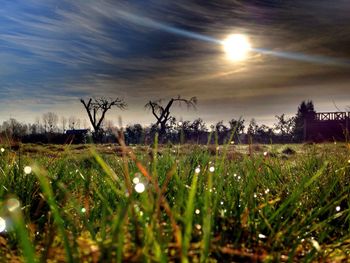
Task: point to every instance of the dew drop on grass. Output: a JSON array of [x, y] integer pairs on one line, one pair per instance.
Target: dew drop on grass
[[235, 175], [315, 244], [2, 224], [221, 203], [12, 204], [262, 236], [83, 210], [197, 211], [338, 208], [255, 195], [197, 170], [267, 191], [2, 150], [139, 187], [198, 226], [136, 180], [27, 169]]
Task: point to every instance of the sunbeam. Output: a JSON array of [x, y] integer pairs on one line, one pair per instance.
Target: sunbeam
[[148, 22]]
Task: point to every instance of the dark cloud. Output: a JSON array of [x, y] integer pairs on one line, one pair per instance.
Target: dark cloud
[[54, 52]]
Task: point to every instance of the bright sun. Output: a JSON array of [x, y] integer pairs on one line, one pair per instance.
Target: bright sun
[[236, 47]]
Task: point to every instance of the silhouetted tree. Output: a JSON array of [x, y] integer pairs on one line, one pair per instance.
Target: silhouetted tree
[[220, 127], [162, 113], [64, 123], [306, 109], [14, 129], [236, 126], [134, 134], [198, 125], [252, 128], [264, 134], [33, 128], [97, 109], [284, 125], [50, 120], [72, 121]]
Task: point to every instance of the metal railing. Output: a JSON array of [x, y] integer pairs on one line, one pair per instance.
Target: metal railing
[[332, 116]]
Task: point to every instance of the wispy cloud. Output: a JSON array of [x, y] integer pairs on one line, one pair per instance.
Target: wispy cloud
[[54, 52]]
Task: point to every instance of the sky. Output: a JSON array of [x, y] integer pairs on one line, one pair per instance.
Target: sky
[[53, 53]]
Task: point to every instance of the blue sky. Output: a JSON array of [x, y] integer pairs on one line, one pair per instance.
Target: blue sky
[[54, 52]]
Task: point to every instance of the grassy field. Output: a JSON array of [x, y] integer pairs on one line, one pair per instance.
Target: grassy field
[[259, 203]]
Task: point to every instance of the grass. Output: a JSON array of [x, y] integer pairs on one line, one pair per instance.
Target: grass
[[262, 203]]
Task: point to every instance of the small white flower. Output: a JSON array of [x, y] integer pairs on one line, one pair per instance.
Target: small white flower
[[338, 208], [197, 170], [197, 211], [211, 169], [83, 210], [2, 150]]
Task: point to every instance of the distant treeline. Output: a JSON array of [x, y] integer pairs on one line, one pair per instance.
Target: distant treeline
[[52, 129]]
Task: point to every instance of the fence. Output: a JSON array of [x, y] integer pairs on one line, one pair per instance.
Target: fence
[[327, 126]]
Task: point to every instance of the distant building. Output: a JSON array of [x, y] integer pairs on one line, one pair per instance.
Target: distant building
[[327, 126], [77, 136]]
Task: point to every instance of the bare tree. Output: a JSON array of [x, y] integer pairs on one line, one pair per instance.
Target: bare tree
[[14, 128], [50, 120], [64, 123], [97, 109], [72, 122], [162, 113]]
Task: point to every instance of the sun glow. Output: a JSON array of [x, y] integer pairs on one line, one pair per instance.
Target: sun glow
[[236, 47]]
